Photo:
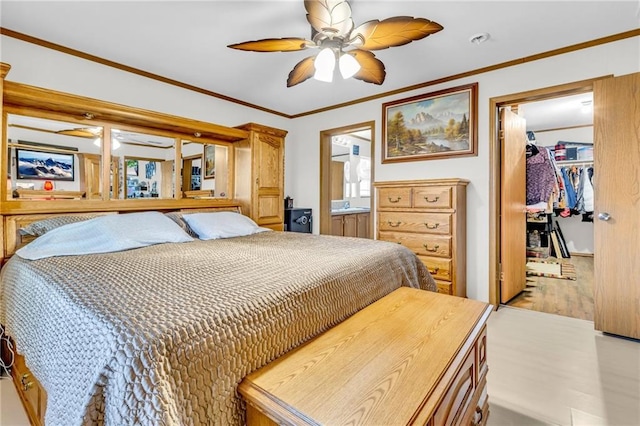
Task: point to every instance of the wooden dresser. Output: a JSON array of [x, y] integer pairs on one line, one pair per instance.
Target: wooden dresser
[[429, 218], [412, 357]]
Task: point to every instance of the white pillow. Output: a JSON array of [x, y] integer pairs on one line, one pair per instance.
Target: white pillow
[[106, 234], [212, 226]]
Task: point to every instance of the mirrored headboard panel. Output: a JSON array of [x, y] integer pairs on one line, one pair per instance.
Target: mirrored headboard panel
[[63, 152]]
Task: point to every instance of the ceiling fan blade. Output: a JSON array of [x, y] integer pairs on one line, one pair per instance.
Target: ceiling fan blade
[[371, 69], [329, 17], [396, 31], [303, 71], [81, 132], [290, 44]]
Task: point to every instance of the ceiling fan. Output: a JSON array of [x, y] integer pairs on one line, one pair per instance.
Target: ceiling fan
[[333, 33]]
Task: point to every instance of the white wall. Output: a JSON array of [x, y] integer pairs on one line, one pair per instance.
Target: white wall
[[42, 67], [619, 58], [38, 66]]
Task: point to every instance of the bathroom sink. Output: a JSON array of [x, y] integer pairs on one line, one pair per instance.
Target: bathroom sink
[[350, 210]]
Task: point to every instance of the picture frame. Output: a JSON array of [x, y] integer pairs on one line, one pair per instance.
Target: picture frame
[[431, 126], [131, 167], [209, 161], [44, 165]]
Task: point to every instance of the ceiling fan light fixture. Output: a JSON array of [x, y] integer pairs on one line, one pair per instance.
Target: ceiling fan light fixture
[[333, 31], [348, 65], [115, 143], [324, 64]]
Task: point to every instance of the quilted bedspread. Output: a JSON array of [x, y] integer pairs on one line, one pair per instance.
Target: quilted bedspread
[[162, 335]]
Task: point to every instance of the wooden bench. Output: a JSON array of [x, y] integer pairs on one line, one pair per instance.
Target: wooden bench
[[413, 357]]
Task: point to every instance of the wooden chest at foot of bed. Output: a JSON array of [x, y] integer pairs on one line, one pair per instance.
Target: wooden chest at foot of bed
[[413, 357]]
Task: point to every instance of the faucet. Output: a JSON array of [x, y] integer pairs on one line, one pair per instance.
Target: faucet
[[347, 204]]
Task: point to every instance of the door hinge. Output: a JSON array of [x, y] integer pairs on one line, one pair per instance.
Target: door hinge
[[500, 272]]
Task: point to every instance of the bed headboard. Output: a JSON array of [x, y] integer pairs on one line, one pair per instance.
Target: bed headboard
[[11, 225]]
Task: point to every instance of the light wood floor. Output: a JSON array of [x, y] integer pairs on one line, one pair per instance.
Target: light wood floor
[[561, 371], [559, 296]]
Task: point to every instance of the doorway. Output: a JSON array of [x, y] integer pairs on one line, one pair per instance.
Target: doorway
[[559, 234], [509, 280], [343, 187]]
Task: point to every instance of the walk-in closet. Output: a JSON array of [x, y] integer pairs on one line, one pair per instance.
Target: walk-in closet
[[560, 206]]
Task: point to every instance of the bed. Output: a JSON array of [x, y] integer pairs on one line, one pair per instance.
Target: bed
[[162, 334]]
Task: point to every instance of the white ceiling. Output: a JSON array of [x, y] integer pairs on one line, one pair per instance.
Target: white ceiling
[[186, 40]]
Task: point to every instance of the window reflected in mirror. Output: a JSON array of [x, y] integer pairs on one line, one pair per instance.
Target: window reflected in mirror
[[144, 165], [205, 172], [51, 159]]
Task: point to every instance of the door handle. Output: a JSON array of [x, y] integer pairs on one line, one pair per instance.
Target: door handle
[[604, 216]]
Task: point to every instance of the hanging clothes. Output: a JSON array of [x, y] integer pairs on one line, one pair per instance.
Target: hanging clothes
[[579, 191], [541, 177]]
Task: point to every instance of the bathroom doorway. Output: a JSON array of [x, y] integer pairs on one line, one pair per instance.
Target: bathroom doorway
[[346, 177]]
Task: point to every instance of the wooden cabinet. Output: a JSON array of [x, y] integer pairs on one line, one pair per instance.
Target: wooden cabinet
[[90, 172], [337, 180], [259, 175], [429, 218], [351, 225], [412, 357]]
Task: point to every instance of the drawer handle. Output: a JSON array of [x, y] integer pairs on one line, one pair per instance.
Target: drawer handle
[[395, 200], [429, 200], [394, 224], [431, 226], [433, 250], [26, 385], [435, 270]]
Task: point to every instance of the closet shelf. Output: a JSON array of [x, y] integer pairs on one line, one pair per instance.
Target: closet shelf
[[575, 162]]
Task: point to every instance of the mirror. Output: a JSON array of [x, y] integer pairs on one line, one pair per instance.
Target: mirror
[[351, 168], [50, 159], [59, 159], [205, 171], [144, 165]]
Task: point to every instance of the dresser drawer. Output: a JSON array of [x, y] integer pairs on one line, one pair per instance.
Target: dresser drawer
[[30, 390], [429, 223], [460, 394], [444, 287], [481, 354], [421, 244], [394, 197], [439, 268], [433, 197]]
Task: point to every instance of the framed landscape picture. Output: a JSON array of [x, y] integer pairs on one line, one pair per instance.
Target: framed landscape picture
[[45, 165], [431, 126], [209, 161]]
